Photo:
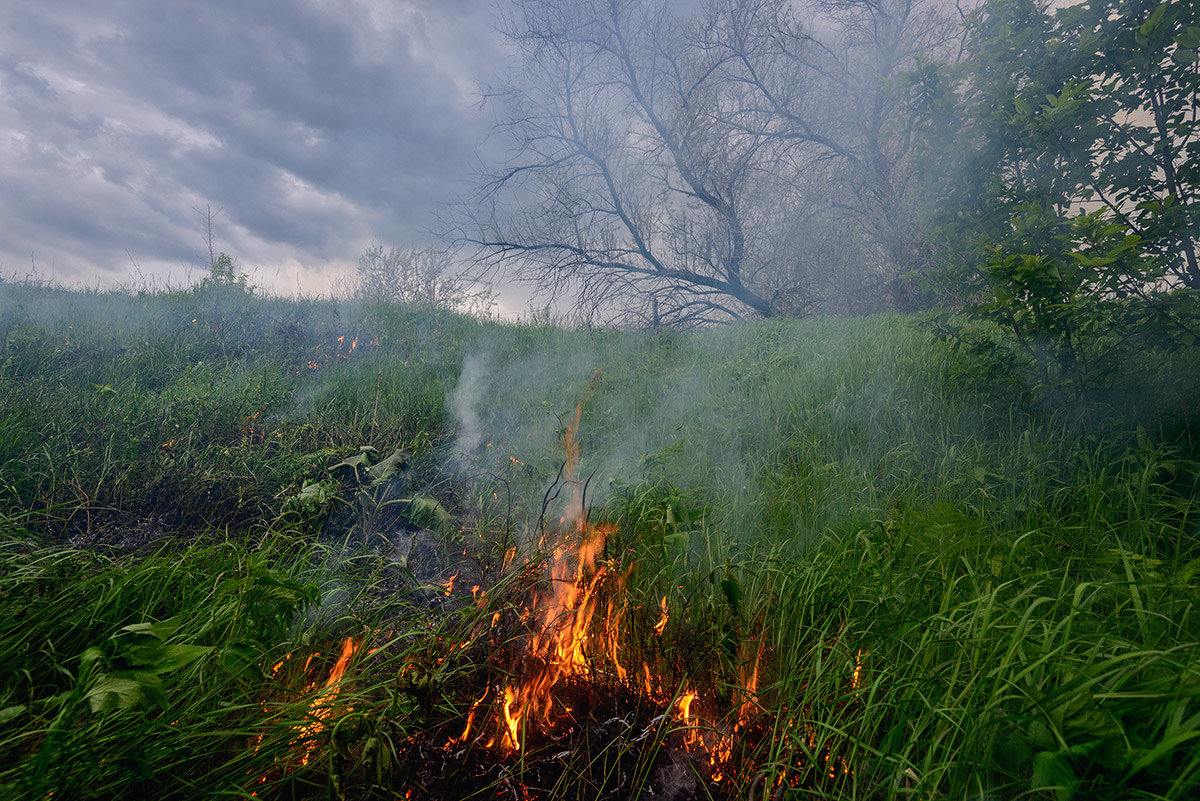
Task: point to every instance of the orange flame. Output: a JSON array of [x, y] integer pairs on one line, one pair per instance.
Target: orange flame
[[647, 684], [856, 679], [322, 705], [562, 641], [562, 613], [661, 625], [612, 637], [693, 737], [512, 737], [462, 738]]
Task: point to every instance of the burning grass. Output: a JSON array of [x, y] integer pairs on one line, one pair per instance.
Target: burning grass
[[574, 693], [520, 690], [885, 666], [862, 674], [567, 686]]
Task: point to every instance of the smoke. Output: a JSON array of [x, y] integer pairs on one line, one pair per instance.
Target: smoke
[[672, 420], [463, 403], [676, 777]]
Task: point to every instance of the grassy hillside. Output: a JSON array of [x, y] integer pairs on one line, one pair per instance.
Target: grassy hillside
[[881, 579]]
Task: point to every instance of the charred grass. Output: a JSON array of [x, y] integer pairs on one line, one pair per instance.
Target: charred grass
[[881, 582]]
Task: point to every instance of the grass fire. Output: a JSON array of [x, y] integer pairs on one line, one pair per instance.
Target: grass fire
[[306, 549]]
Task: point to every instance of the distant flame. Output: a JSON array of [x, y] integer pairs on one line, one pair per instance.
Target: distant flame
[[856, 679]]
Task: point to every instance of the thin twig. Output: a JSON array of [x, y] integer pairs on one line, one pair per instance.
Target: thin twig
[[375, 412]]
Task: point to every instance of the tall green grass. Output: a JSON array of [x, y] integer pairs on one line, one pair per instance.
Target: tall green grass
[[949, 592]]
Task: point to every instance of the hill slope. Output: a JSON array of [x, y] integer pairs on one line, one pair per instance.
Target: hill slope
[[877, 577]]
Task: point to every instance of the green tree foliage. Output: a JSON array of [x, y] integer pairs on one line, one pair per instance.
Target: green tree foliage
[[1064, 167], [1144, 97], [223, 272]]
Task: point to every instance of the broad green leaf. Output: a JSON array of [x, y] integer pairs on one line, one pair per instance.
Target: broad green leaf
[[353, 461], [239, 659], [88, 659], [174, 657], [676, 541], [381, 472], [1188, 572], [428, 513], [162, 630], [1052, 772], [113, 692], [11, 713]]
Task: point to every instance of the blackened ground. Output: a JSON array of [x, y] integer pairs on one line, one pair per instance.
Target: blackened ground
[[608, 743]]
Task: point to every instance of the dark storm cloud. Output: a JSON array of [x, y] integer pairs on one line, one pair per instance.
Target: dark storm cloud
[[315, 126]]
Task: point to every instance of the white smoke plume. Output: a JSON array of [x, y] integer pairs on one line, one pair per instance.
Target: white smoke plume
[[464, 409]]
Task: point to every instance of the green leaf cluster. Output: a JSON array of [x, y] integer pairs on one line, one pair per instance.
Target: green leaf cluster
[[1066, 185]]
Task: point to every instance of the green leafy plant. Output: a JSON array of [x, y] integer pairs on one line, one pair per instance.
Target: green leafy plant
[[1055, 110], [383, 493], [128, 673], [1064, 309]]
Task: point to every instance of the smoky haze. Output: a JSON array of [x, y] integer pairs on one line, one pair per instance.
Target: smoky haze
[[318, 130], [675, 166], [697, 415]]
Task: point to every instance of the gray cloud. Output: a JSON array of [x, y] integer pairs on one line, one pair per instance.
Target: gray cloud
[[316, 126]]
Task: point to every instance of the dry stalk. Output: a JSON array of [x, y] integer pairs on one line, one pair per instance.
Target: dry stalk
[[375, 411]]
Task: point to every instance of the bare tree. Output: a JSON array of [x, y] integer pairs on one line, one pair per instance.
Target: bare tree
[[678, 171], [629, 194], [822, 81], [420, 276]]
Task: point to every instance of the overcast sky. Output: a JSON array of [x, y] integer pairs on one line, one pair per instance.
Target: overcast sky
[[317, 126]]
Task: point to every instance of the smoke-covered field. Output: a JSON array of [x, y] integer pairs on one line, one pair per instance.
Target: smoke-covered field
[[311, 549]]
